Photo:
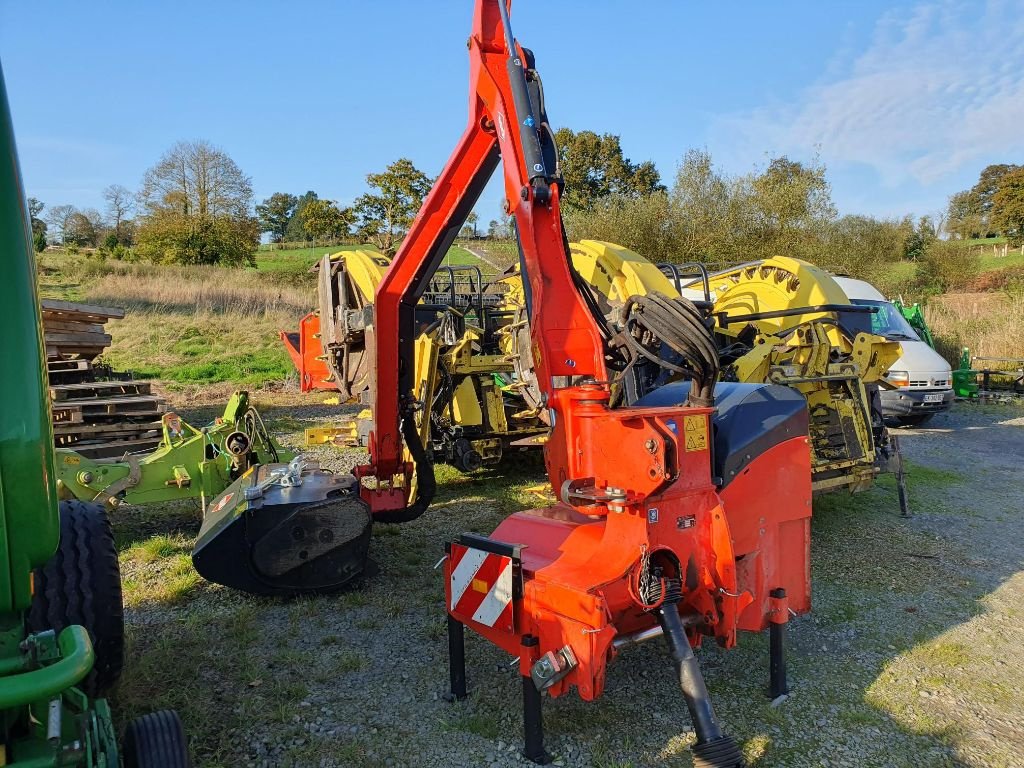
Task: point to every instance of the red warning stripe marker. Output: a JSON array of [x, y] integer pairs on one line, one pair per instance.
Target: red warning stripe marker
[[480, 588]]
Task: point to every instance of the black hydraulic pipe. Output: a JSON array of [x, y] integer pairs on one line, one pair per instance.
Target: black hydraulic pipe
[[777, 654], [690, 678], [456, 658], [724, 319], [529, 126], [713, 748], [424, 465]]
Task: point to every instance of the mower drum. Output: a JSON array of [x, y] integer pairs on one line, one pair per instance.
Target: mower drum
[[285, 529]]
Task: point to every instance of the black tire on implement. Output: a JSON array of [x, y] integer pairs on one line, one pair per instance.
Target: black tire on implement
[[156, 740], [81, 584]]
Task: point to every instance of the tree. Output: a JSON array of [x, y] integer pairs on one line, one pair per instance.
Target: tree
[[704, 210], [918, 238], [788, 208], [385, 215], [120, 202], [970, 212], [171, 238], [472, 219], [963, 216], [1008, 206], [948, 265], [196, 178], [79, 230], [324, 220], [275, 213], [644, 224], [594, 167], [197, 205], [863, 246], [988, 184], [35, 208], [58, 218], [295, 232]]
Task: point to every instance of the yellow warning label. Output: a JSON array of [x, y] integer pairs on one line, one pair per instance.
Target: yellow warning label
[[695, 429], [72, 460], [479, 585]]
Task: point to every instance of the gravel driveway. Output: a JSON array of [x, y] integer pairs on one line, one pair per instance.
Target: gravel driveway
[[912, 655]]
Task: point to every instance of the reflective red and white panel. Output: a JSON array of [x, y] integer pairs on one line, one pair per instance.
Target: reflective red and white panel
[[481, 587]]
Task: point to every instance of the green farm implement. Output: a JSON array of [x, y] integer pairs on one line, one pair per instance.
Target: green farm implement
[[61, 617], [988, 377], [914, 315], [190, 462]]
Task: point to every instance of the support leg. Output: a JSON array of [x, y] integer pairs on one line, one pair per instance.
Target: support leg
[[713, 748], [901, 478], [777, 645], [533, 725], [456, 659]]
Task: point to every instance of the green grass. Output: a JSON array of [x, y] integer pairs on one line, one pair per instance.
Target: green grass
[[458, 256], [901, 272], [207, 349], [298, 259], [1012, 259]]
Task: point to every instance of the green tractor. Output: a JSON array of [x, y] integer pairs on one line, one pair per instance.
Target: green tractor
[[61, 619]]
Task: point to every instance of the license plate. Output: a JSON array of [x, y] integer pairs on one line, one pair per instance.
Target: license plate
[[935, 398]]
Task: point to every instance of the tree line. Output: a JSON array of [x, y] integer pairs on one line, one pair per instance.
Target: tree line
[[993, 207], [196, 206]]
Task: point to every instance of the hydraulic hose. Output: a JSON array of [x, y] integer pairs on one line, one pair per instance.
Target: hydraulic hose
[[678, 324], [426, 483]]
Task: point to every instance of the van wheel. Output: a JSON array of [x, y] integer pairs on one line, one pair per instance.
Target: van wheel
[[81, 584], [156, 740]]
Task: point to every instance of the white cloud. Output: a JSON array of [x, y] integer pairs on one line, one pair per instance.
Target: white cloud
[[939, 89]]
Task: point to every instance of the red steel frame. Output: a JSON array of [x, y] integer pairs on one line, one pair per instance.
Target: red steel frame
[[581, 560]]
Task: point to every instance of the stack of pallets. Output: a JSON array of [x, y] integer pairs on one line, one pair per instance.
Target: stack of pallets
[[76, 330], [96, 411]]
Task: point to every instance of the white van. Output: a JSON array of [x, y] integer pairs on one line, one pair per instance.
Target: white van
[[921, 379]]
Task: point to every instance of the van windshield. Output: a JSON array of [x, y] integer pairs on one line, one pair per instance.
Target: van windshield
[[887, 321]]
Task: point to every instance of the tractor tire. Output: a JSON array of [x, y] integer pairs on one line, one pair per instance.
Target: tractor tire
[[81, 584], [156, 740]]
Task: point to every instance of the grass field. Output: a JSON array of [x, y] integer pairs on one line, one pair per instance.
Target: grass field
[[299, 260], [196, 325]]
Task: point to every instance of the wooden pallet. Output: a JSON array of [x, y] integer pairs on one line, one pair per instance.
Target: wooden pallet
[[76, 330], [96, 390], [82, 411], [99, 419]]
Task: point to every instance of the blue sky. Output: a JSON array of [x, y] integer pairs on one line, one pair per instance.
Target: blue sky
[[904, 101]]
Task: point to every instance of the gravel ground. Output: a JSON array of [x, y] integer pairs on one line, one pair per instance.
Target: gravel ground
[[911, 656]]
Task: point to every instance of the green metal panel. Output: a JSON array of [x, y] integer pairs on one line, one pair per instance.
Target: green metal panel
[[29, 526]]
